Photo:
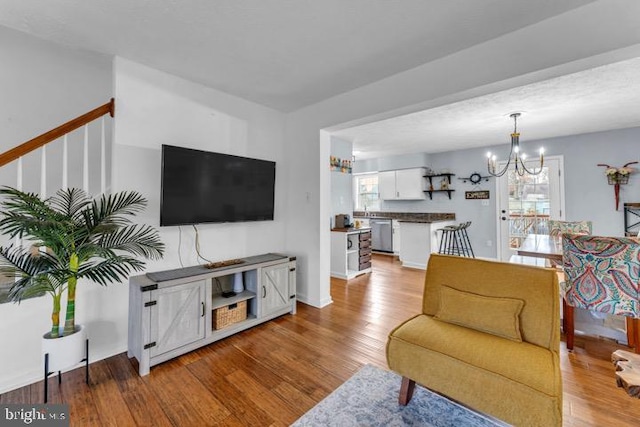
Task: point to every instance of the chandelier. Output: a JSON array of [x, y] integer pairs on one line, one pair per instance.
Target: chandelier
[[515, 156]]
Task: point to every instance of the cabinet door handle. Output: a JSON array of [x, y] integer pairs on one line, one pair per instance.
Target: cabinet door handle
[[202, 309], [264, 292]]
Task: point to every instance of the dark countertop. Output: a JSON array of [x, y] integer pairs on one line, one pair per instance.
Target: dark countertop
[[425, 221], [350, 229], [419, 217]]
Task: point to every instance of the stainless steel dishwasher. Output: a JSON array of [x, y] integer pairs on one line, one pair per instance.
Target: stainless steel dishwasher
[[381, 234]]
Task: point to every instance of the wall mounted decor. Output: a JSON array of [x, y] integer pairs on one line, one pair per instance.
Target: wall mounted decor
[[475, 178], [618, 176], [476, 195], [336, 164]]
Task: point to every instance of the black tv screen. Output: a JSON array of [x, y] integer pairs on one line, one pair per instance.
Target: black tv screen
[[203, 187]]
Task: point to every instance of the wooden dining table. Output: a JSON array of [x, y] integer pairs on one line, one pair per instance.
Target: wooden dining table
[[541, 246]]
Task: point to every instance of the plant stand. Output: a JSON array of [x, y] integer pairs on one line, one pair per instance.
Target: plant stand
[[59, 356]]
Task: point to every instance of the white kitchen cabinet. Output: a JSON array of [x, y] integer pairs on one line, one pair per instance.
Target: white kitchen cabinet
[[172, 312], [419, 241], [350, 253], [387, 185], [402, 184]]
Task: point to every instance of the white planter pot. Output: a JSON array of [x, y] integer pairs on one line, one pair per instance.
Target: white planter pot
[[65, 352]]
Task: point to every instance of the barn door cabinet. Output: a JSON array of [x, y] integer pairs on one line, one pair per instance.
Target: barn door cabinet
[[173, 312]]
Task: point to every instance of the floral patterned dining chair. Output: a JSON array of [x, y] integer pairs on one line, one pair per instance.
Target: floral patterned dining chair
[[602, 274], [557, 228]]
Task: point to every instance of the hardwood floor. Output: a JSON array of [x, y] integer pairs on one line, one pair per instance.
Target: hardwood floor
[[272, 374]]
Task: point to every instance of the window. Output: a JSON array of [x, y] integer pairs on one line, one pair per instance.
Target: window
[[366, 192]]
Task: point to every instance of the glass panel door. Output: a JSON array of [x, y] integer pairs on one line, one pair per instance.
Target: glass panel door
[[527, 203]]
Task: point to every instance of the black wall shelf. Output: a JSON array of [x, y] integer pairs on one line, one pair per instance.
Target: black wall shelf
[[447, 190], [438, 191]]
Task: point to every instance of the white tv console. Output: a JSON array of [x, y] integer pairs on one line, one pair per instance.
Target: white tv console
[[171, 312]]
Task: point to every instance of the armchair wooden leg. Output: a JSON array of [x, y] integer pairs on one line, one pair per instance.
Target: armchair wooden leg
[[406, 391], [569, 326], [633, 333], [564, 316]]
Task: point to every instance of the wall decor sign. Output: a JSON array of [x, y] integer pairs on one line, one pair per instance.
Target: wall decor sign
[[475, 195], [344, 166]]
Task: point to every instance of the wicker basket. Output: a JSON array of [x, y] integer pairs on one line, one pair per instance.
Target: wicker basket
[[618, 178], [230, 314]]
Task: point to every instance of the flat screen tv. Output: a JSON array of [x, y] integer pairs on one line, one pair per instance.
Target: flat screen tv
[[204, 187]]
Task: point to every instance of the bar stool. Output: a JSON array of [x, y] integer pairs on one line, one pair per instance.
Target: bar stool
[[455, 240]]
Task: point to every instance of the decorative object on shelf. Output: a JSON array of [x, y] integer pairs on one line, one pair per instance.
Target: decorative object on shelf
[[617, 176], [336, 164], [238, 283], [475, 178], [515, 156], [230, 314], [474, 195], [224, 263], [444, 184]]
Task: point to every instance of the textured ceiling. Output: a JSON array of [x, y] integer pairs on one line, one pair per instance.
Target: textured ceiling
[[285, 54], [603, 98]]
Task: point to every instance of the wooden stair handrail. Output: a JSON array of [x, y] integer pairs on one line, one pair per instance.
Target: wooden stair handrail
[[52, 135]]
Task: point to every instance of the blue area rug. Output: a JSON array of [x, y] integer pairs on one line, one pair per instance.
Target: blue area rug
[[370, 398]]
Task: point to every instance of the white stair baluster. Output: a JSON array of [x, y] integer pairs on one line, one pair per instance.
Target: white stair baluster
[[103, 161], [19, 175], [19, 188], [43, 172], [85, 171], [65, 164]]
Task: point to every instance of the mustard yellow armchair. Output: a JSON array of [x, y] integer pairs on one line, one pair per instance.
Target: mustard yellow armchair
[[488, 337]]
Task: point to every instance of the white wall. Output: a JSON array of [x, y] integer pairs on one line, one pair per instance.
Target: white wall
[[156, 108], [44, 85], [532, 54]]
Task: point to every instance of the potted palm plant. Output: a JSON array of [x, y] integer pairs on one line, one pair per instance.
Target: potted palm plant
[[69, 237]]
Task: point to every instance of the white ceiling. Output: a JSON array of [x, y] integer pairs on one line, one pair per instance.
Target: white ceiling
[[603, 98], [285, 54], [288, 54]]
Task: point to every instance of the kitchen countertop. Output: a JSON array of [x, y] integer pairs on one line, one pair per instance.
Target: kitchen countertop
[[350, 229], [424, 221], [418, 217]]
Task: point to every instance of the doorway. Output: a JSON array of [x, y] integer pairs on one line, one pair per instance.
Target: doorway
[[527, 203]]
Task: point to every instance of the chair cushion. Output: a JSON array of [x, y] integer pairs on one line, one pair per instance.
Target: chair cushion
[[494, 315], [531, 364], [602, 273]]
